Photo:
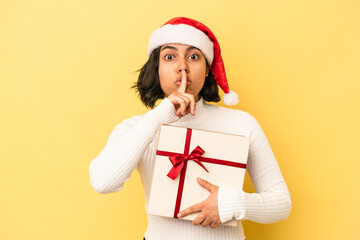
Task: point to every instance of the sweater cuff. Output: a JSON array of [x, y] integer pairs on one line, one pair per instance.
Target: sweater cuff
[[230, 204], [165, 112]]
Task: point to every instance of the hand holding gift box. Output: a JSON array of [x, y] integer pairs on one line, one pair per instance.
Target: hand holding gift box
[[185, 154], [209, 207]]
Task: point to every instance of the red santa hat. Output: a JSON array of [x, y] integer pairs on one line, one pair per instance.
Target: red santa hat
[[191, 32]]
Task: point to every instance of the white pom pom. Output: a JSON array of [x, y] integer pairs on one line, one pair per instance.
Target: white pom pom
[[230, 98]]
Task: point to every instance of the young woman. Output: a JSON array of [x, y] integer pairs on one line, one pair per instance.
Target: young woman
[[185, 69]]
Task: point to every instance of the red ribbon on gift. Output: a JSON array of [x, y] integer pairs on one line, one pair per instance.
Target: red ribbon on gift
[[179, 161]]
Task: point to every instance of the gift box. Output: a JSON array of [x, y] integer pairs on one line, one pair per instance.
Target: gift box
[[183, 154]]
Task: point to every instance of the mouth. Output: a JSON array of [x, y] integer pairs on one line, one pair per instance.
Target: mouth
[[178, 82]]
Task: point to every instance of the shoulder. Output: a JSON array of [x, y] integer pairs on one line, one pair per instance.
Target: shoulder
[[129, 122], [226, 113], [231, 120]]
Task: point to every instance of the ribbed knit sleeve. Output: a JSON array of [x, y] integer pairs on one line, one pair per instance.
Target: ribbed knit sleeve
[[271, 202], [124, 147]]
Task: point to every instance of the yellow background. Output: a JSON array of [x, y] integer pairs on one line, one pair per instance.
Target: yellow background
[[66, 68]]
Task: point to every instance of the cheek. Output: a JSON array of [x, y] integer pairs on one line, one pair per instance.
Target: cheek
[[201, 75], [162, 75], [165, 80]]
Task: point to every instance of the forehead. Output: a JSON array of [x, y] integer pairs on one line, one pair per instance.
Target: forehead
[[178, 46]]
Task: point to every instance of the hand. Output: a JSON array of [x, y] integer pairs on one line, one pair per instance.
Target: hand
[[184, 102], [209, 207]]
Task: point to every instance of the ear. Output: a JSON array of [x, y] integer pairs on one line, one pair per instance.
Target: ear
[[207, 70]]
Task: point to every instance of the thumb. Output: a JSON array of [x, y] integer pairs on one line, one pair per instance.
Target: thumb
[[205, 184]]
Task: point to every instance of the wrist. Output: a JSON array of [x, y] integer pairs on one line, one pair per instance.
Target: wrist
[[230, 204], [165, 111]]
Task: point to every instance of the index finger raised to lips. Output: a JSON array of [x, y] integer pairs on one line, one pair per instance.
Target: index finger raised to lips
[[183, 84]]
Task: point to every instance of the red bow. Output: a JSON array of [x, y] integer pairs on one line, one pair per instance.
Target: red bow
[[178, 161]]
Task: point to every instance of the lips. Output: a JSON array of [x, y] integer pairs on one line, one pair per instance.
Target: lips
[[178, 82], [179, 79]]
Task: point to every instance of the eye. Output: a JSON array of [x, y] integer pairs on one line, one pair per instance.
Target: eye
[[168, 56], [194, 56]]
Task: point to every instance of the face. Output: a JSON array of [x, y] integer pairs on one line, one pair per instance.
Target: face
[[175, 58]]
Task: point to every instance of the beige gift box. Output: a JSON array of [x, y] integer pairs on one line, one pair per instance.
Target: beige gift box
[[168, 196]]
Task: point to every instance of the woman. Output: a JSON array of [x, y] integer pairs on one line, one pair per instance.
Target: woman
[[185, 69]]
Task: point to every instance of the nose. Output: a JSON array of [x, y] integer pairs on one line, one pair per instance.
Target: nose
[[183, 66]]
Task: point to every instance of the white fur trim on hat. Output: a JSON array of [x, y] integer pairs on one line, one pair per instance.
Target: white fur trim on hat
[[230, 98], [185, 34]]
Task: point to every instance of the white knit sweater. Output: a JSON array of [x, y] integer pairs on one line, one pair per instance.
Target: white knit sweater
[[132, 144]]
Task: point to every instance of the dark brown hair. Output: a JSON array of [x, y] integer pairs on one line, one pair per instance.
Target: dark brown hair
[[148, 83]]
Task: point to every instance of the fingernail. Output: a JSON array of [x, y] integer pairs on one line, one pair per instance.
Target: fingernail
[[179, 215]]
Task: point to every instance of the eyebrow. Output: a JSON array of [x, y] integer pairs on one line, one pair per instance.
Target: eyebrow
[[188, 49]]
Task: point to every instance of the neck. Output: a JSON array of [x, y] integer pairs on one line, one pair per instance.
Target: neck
[[197, 98]]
